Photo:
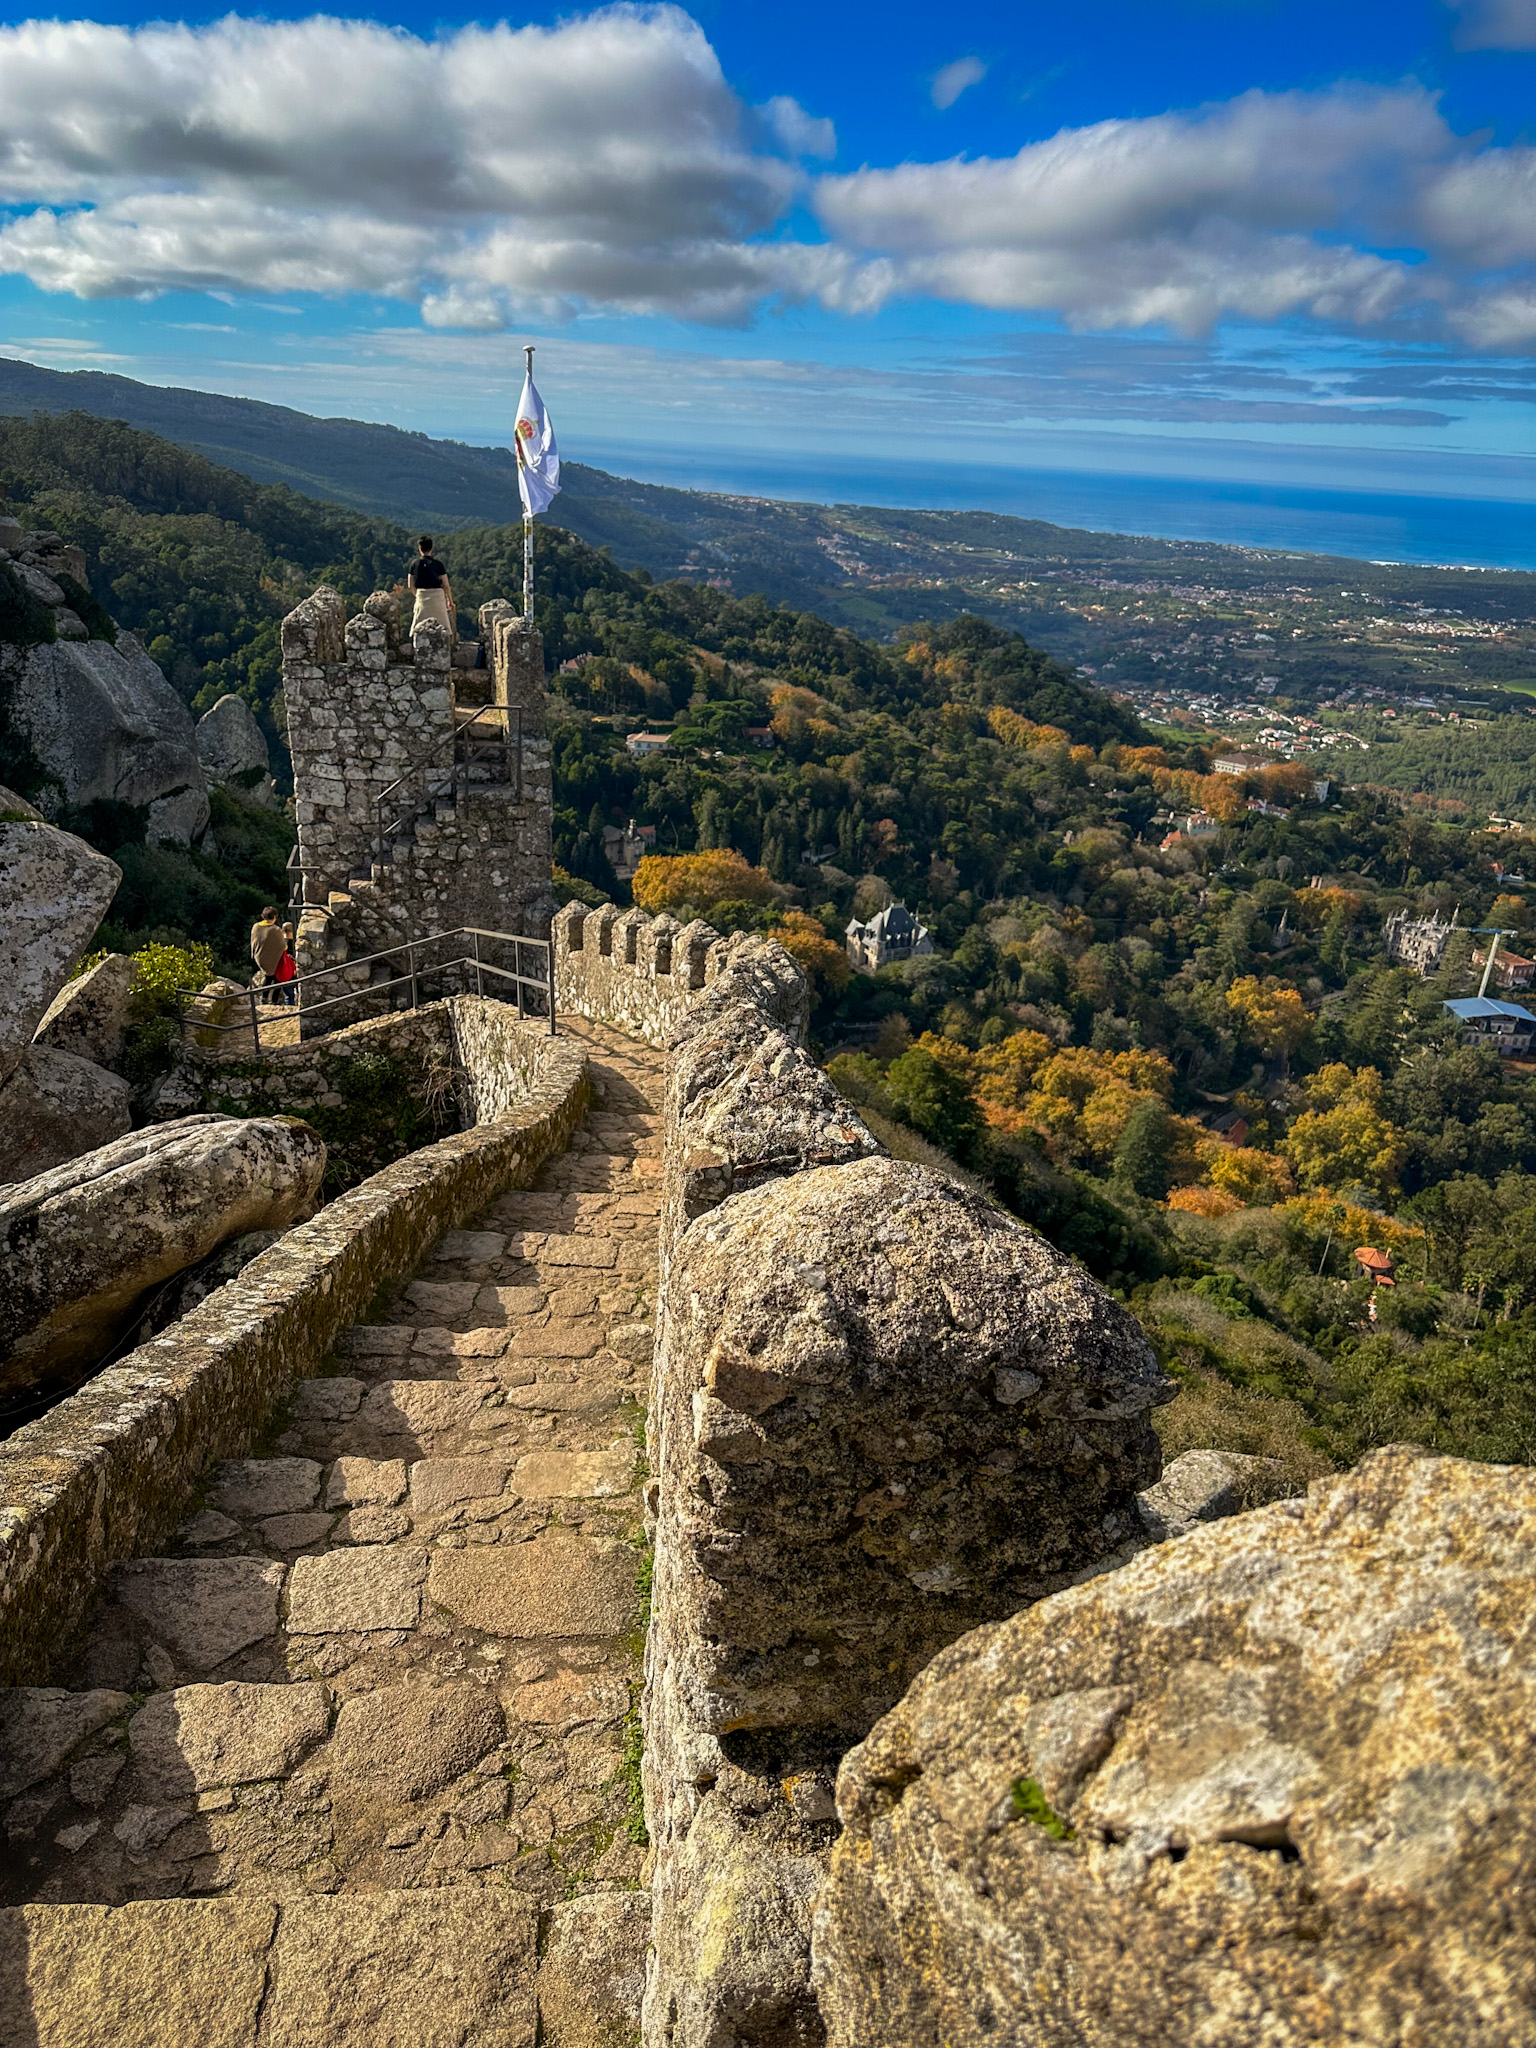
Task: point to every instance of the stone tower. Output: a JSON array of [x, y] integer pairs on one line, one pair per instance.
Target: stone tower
[[422, 788]]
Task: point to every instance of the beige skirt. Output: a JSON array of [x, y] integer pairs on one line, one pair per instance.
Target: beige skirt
[[431, 604]]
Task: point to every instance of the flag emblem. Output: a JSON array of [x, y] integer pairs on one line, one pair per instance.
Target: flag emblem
[[538, 458]]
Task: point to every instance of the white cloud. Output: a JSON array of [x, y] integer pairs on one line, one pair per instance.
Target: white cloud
[[510, 174], [955, 79], [1266, 205], [1482, 209], [604, 160], [802, 134], [1496, 24]]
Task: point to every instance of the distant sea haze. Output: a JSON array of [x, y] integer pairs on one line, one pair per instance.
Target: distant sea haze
[[1483, 533]]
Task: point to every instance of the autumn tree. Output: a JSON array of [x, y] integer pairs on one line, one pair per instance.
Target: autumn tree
[[1271, 1015], [1345, 1138], [720, 875], [825, 963]]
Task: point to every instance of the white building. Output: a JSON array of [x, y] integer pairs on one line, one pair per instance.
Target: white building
[[1417, 941], [891, 934]]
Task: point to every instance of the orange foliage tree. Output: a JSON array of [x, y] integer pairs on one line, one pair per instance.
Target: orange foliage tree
[[1014, 730], [1273, 1017], [720, 875], [825, 963], [1077, 1100]]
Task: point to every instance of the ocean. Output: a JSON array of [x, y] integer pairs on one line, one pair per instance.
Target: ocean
[[1483, 533]]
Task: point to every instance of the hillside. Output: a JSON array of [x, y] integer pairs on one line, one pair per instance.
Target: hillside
[[1104, 998], [1178, 616]]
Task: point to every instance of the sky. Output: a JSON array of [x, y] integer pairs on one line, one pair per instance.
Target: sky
[[1236, 239]]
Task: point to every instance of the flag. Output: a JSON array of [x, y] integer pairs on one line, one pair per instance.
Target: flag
[[538, 459]]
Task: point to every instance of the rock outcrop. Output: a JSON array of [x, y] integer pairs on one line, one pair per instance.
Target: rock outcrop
[[54, 1107], [233, 749], [1206, 1486], [54, 891], [80, 1248], [1272, 1782], [89, 1015], [106, 724]]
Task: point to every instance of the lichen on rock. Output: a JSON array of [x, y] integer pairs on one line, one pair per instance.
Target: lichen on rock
[[1290, 1752]]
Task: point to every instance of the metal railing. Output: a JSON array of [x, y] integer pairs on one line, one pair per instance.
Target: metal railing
[[472, 946]]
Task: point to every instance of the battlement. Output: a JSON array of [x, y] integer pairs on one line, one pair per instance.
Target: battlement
[[626, 968]]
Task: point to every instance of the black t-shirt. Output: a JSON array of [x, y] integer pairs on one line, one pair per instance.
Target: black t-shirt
[[429, 572]]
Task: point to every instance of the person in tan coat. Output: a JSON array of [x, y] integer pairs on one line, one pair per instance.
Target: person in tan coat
[[268, 943]]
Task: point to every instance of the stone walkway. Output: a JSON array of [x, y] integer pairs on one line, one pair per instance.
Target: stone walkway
[[398, 1652]]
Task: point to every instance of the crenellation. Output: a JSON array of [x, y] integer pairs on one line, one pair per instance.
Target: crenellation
[[629, 969]]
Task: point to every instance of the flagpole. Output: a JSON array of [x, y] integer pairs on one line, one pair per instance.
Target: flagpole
[[527, 515]]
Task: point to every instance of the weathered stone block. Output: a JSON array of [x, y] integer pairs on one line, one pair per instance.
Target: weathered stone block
[[40, 1725], [201, 1736], [87, 1016], [559, 1584], [1280, 1764], [53, 1108], [835, 1419], [203, 1610], [84, 1242], [356, 1590], [54, 890]]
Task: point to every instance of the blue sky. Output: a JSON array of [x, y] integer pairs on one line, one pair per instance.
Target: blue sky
[[1231, 238]]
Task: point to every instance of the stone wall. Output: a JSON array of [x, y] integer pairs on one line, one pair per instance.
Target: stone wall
[[638, 973], [367, 705], [470, 1048], [881, 1411], [106, 1474]]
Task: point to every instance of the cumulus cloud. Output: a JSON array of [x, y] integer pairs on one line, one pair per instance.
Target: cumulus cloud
[[1496, 24], [1247, 208], [955, 79], [802, 134], [605, 162]]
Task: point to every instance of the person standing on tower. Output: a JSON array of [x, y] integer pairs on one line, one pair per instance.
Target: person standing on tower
[[434, 593]]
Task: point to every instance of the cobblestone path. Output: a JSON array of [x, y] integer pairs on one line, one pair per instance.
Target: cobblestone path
[[398, 1652]]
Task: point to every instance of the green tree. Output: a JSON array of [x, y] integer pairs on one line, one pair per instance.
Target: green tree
[[1333, 947], [1144, 1155], [934, 1100]]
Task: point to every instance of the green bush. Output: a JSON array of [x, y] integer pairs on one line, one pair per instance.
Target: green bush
[[160, 973]]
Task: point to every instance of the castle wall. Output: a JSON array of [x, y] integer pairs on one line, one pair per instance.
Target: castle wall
[[106, 1474], [638, 973], [882, 1411]]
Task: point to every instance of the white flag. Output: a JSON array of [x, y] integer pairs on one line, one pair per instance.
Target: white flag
[[538, 459]]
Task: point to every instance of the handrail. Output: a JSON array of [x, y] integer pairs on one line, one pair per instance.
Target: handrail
[[543, 982], [432, 758]]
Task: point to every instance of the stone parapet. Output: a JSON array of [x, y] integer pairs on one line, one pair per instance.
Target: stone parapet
[[882, 1411], [639, 973], [106, 1474]]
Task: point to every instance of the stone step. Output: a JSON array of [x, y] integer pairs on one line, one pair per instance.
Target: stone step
[[395, 1657], [381, 1969]]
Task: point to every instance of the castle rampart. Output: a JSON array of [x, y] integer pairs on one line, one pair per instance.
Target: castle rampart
[[638, 973], [882, 1412]]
